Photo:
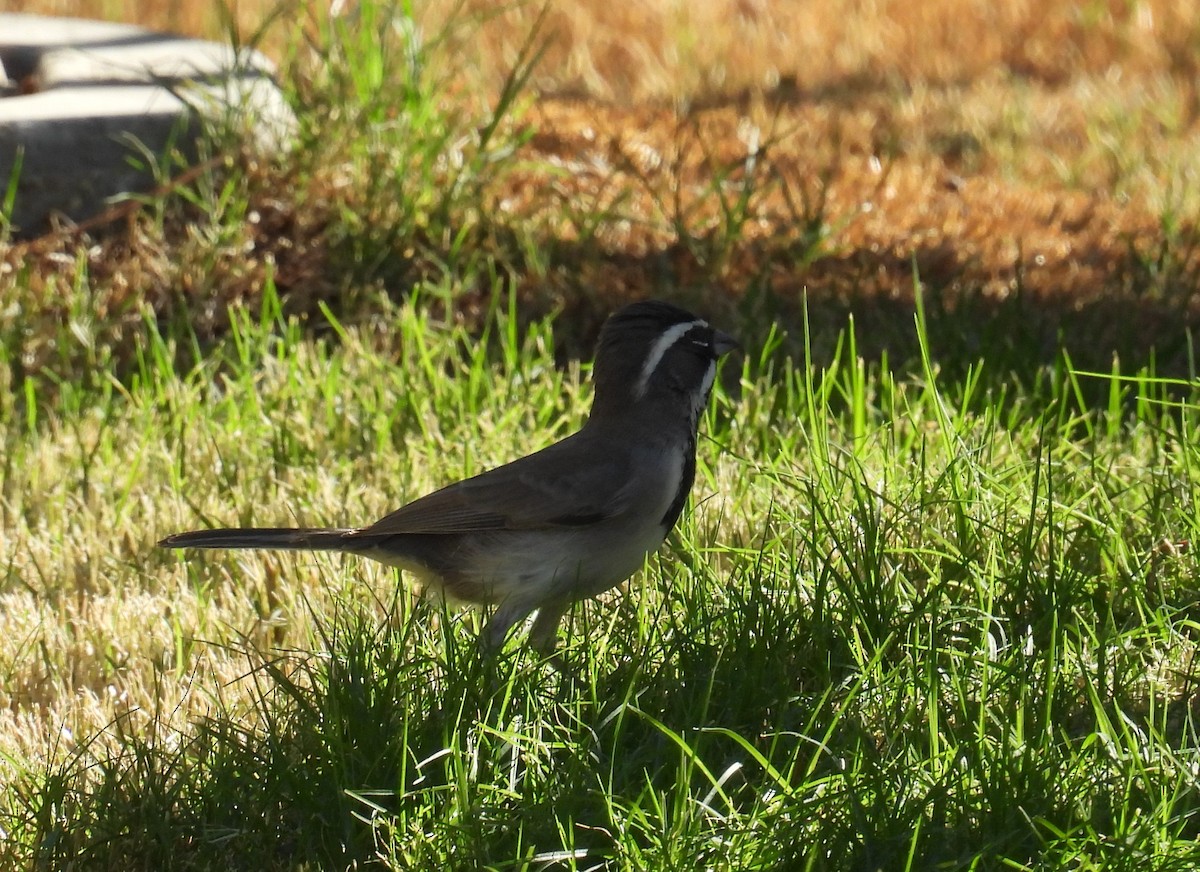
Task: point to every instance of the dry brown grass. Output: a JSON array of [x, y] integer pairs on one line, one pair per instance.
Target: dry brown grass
[[667, 50], [670, 50], [1031, 146], [996, 147]]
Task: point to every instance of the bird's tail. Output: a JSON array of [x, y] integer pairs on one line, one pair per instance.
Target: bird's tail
[[276, 538]]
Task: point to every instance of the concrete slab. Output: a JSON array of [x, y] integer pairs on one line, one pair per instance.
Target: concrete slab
[[95, 101]]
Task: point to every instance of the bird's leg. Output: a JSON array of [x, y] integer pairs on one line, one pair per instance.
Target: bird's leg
[[509, 614], [543, 636]]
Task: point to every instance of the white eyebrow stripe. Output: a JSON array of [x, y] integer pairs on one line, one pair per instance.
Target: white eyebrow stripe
[[659, 349]]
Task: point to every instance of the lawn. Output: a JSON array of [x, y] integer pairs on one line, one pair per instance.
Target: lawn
[[934, 603]]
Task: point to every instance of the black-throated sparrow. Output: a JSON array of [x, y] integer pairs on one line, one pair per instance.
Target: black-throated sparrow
[[567, 522]]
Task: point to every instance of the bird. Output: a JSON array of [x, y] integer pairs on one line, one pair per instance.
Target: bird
[[565, 523]]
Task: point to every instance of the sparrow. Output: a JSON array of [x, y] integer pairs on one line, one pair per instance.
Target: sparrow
[[567, 522]]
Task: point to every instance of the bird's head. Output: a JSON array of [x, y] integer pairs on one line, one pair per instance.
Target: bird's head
[[654, 352]]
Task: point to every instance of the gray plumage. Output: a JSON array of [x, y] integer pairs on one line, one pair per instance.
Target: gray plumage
[[567, 522]]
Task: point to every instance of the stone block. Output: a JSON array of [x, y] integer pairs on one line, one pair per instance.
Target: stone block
[[91, 105]]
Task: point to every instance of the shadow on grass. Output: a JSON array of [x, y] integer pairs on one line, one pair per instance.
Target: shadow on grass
[[732, 724], [1142, 317], [393, 741]]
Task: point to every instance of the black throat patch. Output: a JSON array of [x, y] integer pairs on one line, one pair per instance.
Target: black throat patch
[[685, 484]]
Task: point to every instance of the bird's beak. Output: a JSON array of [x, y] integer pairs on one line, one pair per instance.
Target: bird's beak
[[723, 343]]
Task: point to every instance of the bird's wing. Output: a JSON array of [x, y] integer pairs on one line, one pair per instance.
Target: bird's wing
[[564, 485]]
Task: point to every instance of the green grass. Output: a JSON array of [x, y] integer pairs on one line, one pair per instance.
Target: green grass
[[907, 624], [934, 610]]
